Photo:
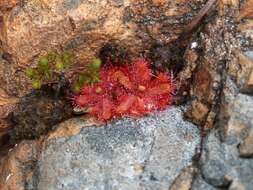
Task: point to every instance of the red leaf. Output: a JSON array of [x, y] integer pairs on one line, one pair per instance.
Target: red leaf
[[127, 90], [81, 100], [122, 79], [125, 104], [140, 71], [107, 107], [160, 90]]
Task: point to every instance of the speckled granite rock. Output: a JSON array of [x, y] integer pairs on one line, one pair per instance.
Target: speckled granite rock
[[240, 119], [221, 163], [200, 184], [185, 179], [8, 4], [246, 147], [146, 153], [16, 170], [210, 70], [84, 26], [222, 166]]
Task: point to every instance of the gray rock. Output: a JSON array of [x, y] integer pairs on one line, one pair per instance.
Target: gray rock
[[236, 185], [246, 148], [185, 179], [240, 117], [200, 184], [221, 162], [230, 91], [249, 54], [221, 165], [146, 153], [213, 165]]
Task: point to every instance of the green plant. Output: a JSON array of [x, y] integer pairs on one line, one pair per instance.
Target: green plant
[[89, 76], [130, 89], [49, 68]]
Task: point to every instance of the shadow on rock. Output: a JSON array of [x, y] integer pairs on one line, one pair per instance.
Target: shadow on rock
[[39, 111]]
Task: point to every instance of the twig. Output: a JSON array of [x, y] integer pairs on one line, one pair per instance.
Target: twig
[[197, 19]]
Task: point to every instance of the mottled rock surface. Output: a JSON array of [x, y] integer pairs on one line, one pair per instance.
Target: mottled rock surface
[[16, 169], [185, 179], [7, 4], [240, 121], [227, 161], [222, 166], [221, 163], [154, 152], [84, 26], [215, 46], [200, 184], [146, 153], [246, 147]]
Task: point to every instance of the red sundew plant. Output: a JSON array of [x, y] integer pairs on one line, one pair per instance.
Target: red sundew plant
[[130, 90]]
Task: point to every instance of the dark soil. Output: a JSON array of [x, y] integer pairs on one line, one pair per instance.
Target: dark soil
[[112, 53], [39, 111]]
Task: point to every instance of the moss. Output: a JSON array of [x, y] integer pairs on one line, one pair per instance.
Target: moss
[[49, 68]]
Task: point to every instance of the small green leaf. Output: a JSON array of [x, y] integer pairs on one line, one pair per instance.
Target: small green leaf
[[48, 74], [82, 79], [67, 58], [87, 81], [47, 67], [43, 63], [36, 84], [96, 64], [76, 88], [59, 65], [95, 79], [31, 73]]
